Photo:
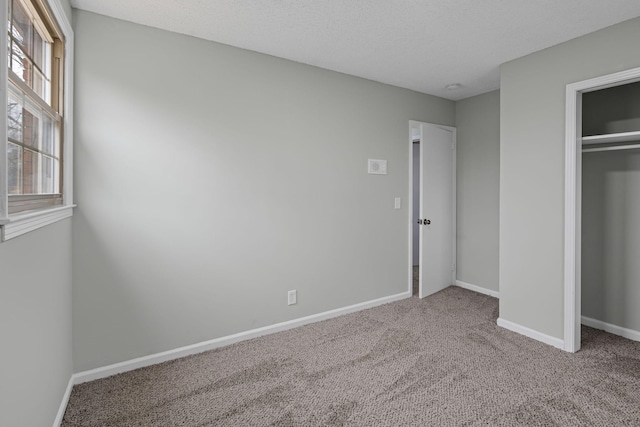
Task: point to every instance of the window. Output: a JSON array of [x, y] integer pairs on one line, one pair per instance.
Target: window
[[34, 113], [37, 187]]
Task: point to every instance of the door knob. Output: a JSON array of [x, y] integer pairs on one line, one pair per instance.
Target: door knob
[[427, 221]]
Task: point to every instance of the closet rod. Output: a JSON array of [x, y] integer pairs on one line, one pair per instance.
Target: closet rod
[[612, 148], [611, 138]]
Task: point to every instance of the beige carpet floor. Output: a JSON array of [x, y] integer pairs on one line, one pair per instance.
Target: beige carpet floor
[[440, 361]]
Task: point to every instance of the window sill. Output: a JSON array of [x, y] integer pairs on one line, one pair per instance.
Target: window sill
[[22, 223]]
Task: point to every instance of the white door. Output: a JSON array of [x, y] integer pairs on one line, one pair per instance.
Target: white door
[[437, 208]]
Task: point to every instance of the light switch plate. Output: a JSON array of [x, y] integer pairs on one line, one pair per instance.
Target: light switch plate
[[377, 167], [292, 297], [397, 203]]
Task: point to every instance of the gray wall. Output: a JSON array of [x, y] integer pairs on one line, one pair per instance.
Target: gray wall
[[210, 180], [478, 181], [611, 237], [35, 323], [532, 127]]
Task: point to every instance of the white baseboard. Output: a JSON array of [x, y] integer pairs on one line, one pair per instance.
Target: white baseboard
[[478, 289], [177, 353], [612, 329], [63, 404], [538, 336]]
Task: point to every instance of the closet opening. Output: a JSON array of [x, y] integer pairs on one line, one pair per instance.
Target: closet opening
[[602, 203]]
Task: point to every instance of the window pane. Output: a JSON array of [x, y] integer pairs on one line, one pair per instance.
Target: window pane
[[14, 119], [14, 161], [21, 65], [42, 76], [31, 127], [47, 176], [39, 84], [9, 49], [38, 50], [9, 14], [30, 171], [48, 136], [56, 177], [22, 30]]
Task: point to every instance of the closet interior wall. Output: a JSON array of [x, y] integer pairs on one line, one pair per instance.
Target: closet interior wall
[[611, 208]]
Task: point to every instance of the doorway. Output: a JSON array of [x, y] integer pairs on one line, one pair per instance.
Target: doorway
[[573, 198], [432, 207]]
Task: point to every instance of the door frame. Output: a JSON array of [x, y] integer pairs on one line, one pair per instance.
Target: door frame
[[573, 198], [412, 125]]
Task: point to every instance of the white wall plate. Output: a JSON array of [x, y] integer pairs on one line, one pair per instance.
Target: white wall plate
[[377, 167]]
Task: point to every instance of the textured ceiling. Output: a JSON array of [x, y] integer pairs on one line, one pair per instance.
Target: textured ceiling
[[422, 45]]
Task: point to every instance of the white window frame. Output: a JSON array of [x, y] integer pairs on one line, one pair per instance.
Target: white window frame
[[14, 225]]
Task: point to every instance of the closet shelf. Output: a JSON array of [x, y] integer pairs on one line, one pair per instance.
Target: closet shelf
[[611, 138]]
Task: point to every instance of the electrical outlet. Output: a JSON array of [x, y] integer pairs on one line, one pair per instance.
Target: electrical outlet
[[292, 297]]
